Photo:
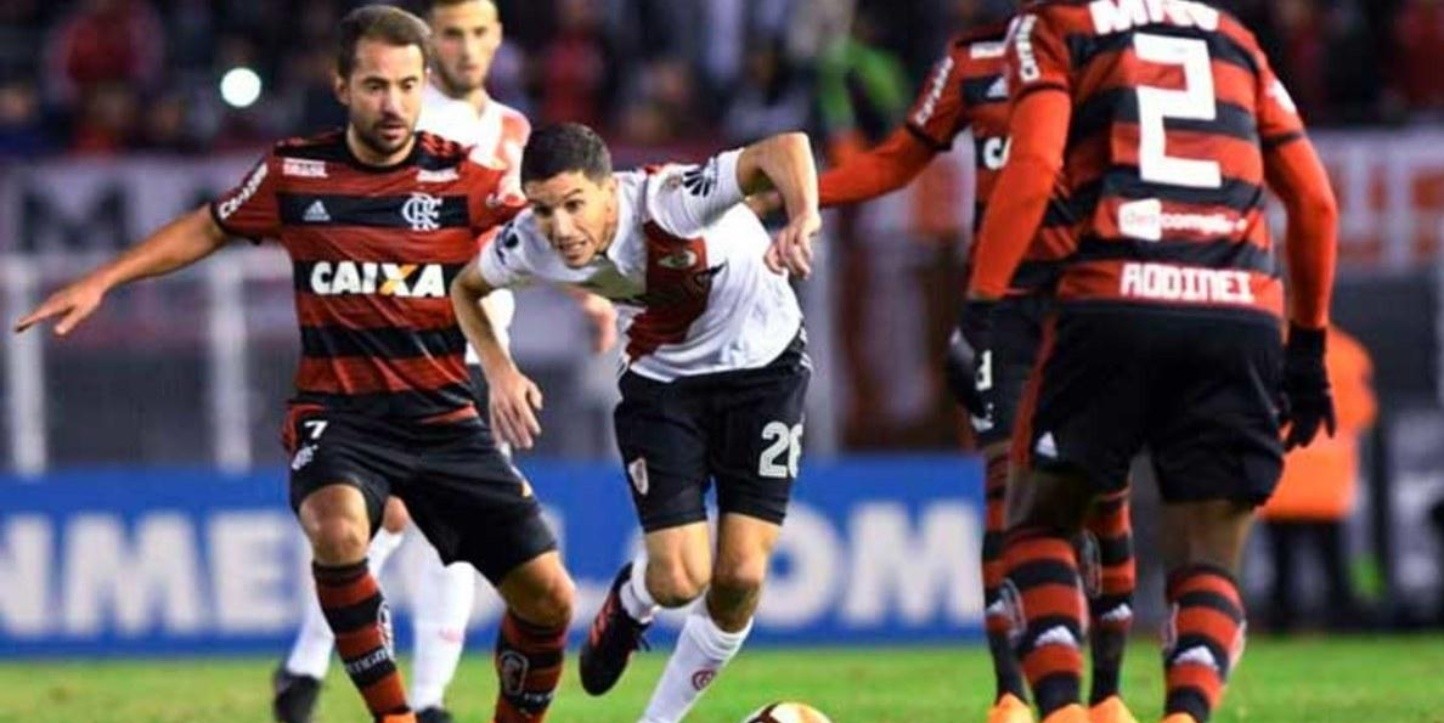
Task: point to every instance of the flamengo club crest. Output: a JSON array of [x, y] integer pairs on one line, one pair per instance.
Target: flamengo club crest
[[422, 211]]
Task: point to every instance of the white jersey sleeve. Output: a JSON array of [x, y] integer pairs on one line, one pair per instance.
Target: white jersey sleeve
[[684, 200], [505, 263]]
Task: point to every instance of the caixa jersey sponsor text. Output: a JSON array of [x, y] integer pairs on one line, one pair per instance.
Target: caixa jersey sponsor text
[[407, 281]]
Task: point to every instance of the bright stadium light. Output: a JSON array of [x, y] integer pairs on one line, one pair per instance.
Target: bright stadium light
[[240, 87]]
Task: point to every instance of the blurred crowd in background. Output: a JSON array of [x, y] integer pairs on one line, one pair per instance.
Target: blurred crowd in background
[[93, 77]]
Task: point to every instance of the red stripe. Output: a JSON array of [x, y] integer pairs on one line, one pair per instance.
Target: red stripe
[[363, 311], [361, 375]]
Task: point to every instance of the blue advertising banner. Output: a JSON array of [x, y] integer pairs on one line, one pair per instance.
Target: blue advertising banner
[[142, 562]]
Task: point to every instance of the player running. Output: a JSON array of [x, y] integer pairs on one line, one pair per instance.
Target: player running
[[967, 91], [377, 220], [715, 376], [1162, 121], [456, 106]]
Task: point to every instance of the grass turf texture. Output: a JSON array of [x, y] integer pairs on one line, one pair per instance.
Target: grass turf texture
[[1308, 680]]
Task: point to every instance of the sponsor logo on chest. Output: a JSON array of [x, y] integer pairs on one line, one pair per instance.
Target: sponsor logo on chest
[[405, 281]]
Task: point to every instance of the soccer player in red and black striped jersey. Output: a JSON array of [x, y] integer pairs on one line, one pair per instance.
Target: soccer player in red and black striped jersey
[[968, 91], [378, 219], [1163, 122]]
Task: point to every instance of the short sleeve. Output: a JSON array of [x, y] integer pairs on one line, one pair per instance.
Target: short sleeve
[[491, 201], [250, 210], [1038, 57], [504, 263], [937, 115], [684, 200]]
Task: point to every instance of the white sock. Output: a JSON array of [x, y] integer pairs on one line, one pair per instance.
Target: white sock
[[311, 653], [442, 609], [702, 650], [636, 599]]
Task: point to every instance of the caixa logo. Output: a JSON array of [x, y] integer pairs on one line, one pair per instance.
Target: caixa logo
[[407, 281]]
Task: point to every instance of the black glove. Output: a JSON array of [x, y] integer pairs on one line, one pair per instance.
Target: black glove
[[967, 353], [1308, 403]]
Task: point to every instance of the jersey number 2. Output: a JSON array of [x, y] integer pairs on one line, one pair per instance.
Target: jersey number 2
[[1195, 102], [785, 441]]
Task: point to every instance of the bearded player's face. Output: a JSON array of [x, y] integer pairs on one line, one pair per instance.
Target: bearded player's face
[[383, 94], [467, 36]]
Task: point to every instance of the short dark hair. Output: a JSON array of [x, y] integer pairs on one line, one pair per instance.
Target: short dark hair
[[565, 148], [390, 25]]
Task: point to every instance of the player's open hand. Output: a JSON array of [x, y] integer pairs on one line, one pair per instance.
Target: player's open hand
[[792, 249], [71, 305], [513, 402]]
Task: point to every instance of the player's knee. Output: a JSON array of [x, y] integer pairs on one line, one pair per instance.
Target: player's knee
[[739, 578], [674, 585], [553, 603], [338, 540]]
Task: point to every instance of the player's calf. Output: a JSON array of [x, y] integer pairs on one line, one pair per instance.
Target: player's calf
[[1203, 640], [531, 644]]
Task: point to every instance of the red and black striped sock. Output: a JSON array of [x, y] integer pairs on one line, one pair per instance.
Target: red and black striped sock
[[1110, 604], [357, 614], [1204, 638], [999, 624], [529, 667], [1047, 604]]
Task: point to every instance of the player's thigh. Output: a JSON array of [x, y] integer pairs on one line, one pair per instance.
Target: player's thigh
[[1082, 415], [1017, 338], [474, 506], [1209, 532], [755, 437], [1214, 432], [664, 451], [328, 450]]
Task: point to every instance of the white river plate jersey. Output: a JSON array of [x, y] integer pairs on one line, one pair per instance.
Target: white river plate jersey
[[685, 270]]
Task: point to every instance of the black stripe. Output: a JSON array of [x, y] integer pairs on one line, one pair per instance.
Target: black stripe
[[381, 342], [370, 276], [1190, 700], [976, 91], [926, 139], [1212, 601], [1100, 112], [1043, 572], [1109, 505], [374, 211], [1036, 274], [330, 147], [1203, 254], [376, 673], [992, 546], [1273, 142], [1114, 551], [1125, 182], [353, 617], [1084, 48], [412, 404]]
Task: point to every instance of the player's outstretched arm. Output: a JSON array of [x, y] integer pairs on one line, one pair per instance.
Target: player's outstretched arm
[[785, 162], [863, 176], [178, 244], [601, 314], [513, 399]]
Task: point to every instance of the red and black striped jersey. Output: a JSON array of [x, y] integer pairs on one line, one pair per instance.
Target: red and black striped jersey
[[1173, 107], [968, 90], [374, 251]]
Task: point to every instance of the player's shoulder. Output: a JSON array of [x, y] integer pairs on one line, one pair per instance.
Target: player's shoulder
[[439, 151]]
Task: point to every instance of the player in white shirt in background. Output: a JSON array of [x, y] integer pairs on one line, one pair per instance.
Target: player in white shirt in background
[[715, 378], [466, 35]]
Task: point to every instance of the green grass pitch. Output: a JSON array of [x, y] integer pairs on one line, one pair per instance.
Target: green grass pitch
[[1389, 680]]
